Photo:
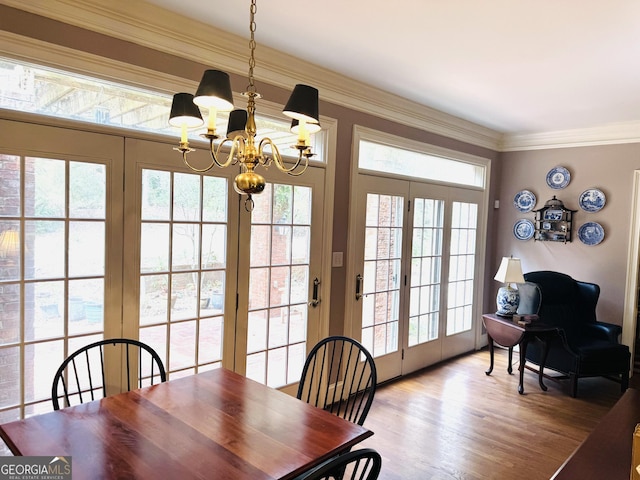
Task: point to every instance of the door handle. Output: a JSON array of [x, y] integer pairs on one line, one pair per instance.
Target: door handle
[[315, 300], [358, 287]]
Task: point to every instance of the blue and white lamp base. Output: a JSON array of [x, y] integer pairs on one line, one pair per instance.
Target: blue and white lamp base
[[507, 300]]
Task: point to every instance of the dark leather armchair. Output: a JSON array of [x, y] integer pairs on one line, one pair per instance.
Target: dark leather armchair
[[584, 347]]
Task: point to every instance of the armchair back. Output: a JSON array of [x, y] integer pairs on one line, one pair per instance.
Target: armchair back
[[565, 302]]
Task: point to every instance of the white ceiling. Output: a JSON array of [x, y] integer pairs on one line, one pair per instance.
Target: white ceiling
[[516, 66]]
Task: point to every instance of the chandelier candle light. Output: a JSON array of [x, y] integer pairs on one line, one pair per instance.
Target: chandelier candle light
[[214, 94], [510, 271]]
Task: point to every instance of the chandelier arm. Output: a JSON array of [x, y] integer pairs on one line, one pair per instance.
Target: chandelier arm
[[299, 172], [196, 169], [215, 153], [279, 162], [237, 149]]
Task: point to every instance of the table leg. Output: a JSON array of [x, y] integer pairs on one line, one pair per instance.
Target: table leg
[[509, 367], [488, 372], [545, 351], [523, 352]]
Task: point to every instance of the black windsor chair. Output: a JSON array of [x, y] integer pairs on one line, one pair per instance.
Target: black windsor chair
[[339, 375], [81, 377]]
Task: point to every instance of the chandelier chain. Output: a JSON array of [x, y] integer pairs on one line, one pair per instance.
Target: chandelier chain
[[252, 45]]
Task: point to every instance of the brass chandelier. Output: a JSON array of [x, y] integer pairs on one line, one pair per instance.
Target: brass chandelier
[[214, 94]]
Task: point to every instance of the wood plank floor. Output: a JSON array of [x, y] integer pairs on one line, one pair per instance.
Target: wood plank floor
[[451, 421]]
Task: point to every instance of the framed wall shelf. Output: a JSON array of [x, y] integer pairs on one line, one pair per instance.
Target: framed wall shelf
[[553, 222]]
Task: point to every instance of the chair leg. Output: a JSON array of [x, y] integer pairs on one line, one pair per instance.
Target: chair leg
[[573, 380], [624, 381]]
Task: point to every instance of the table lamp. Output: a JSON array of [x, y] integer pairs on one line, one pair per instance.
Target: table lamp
[[508, 298]]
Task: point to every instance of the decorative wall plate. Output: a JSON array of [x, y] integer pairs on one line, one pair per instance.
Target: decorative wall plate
[[591, 233], [592, 200], [524, 201], [523, 229], [558, 177]]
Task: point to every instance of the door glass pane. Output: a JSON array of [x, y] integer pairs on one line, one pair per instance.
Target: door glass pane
[[426, 261], [46, 312], [86, 248], [52, 269], [464, 223], [87, 194], [46, 181], [279, 284], [183, 268], [381, 286], [85, 306]]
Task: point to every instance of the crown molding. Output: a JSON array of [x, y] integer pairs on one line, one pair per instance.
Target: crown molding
[[170, 33], [605, 135]]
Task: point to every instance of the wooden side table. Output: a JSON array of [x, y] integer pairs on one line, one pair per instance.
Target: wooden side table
[[504, 331]]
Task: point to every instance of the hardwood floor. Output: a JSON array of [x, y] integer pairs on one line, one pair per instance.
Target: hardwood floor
[[452, 421]]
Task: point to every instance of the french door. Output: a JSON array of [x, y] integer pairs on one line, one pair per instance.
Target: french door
[[415, 296], [279, 269], [60, 254], [180, 275], [216, 280]]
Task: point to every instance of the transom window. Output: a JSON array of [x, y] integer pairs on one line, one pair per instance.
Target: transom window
[[46, 91], [383, 158]]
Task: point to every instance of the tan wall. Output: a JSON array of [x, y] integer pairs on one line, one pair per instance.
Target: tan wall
[[609, 168]]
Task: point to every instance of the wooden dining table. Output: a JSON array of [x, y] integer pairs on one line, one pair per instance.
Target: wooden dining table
[[216, 424]]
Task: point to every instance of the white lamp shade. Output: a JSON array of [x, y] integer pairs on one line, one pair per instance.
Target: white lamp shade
[[510, 271]]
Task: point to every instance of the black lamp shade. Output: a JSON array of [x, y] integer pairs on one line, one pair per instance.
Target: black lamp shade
[[215, 91], [237, 123], [303, 104], [311, 127], [184, 111]]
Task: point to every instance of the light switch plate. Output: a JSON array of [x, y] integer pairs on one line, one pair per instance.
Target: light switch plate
[[337, 259]]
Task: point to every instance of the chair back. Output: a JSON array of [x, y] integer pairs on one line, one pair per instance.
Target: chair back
[[81, 377], [363, 464], [566, 302], [339, 375]]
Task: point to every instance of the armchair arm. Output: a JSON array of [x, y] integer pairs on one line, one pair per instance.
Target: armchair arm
[[604, 331]]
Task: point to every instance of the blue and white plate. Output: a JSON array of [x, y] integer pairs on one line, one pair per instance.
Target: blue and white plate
[[558, 177], [523, 229], [524, 201], [592, 200], [591, 233]]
